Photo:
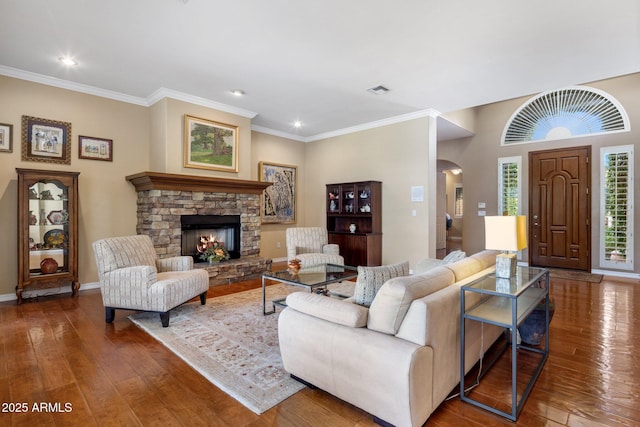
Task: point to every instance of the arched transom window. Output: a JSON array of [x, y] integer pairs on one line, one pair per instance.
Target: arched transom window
[[565, 113]]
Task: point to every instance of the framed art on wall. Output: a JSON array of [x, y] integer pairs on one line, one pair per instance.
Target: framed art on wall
[[95, 148], [6, 138], [210, 145], [45, 140], [278, 200]]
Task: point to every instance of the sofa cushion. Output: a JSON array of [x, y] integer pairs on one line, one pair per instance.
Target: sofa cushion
[[426, 264], [465, 267], [487, 257], [371, 279], [331, 309], [392, 301]]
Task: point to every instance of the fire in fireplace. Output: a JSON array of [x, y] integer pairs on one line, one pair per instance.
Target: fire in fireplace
[[222, 228]]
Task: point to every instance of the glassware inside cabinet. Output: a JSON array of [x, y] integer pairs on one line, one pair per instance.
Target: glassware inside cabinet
[[348, 199], [333, 199], [363, 193], [48, 227]]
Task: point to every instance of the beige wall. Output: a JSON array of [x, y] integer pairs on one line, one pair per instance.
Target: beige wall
[[478, 156], [107, 201], [465, 119], [175, 140], [273, 149], [158, 133], [397, 155], [168, 142]]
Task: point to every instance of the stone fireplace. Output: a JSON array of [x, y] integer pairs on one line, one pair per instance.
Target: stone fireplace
[[165, 199]]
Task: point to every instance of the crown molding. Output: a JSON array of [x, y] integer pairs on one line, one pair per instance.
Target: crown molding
[[192, 99], [66, 84], [429, 112], [162, 93], [281, 134], [145, 102]]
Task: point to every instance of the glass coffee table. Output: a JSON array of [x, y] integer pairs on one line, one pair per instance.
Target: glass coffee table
[[314, 278]]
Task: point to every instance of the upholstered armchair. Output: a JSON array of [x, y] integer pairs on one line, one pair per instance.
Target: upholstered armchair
[[311, 246], [133, 278]]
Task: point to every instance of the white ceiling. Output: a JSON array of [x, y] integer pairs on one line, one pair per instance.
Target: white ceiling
[[313, 61]]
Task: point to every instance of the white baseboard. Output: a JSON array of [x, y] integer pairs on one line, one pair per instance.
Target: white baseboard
[[50, 291], [624, 274]]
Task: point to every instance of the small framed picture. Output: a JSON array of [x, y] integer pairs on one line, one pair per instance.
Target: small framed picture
[[95, 148], [6, 138], [45, 140]]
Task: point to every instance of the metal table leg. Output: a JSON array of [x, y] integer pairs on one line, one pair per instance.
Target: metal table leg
[[264, 301]]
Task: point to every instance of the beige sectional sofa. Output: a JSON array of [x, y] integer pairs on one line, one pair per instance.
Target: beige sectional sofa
[[397, 359]]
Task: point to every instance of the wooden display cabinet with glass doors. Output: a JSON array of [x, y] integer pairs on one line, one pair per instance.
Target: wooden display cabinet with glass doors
[[354, 221], [47, 230]]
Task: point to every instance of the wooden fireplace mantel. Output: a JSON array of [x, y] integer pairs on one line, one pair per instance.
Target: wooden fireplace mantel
[[168, 181]]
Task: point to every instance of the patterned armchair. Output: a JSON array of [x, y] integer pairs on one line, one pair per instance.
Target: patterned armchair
[[133, 278], [311, 246]]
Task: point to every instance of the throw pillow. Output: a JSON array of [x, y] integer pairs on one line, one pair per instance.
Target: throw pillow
[[371, 279]]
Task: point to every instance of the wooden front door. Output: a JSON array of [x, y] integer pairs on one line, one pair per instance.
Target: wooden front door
[[560, 208]]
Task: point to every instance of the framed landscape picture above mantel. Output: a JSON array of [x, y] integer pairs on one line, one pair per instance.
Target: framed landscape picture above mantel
[[278, 200], [45, 140], [210, 145]]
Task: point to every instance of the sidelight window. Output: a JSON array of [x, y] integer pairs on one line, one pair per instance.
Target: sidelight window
[[509, 185], [459, 201], [616, 207]]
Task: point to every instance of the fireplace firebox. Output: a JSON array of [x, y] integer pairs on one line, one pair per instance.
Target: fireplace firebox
[[223, 228]]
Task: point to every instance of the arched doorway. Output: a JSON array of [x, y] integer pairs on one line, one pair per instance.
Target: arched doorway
[[449, 208]]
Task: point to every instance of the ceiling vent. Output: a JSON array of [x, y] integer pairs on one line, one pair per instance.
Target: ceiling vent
[[378, 90]]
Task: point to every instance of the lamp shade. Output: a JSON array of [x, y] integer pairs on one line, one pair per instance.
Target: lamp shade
[[505, 233]]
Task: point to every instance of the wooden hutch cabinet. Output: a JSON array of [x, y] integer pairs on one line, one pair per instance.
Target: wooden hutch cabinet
[[47, 230], [354, 221]]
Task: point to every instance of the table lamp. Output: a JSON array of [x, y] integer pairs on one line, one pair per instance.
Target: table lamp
[[507, 234]]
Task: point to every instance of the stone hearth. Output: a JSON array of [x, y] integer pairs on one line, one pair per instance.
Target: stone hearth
[[164, 198]]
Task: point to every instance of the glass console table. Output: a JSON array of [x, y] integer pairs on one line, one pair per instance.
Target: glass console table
[[507, 303]]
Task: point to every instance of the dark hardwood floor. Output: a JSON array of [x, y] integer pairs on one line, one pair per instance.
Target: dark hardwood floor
[[61, 365]]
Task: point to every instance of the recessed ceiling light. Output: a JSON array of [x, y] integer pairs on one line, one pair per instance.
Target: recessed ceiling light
[[378, 90], [297, 124], [237, 92], [67, 60]]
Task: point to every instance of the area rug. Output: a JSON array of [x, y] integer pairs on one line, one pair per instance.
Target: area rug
[[583, 276], [232, 344]]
